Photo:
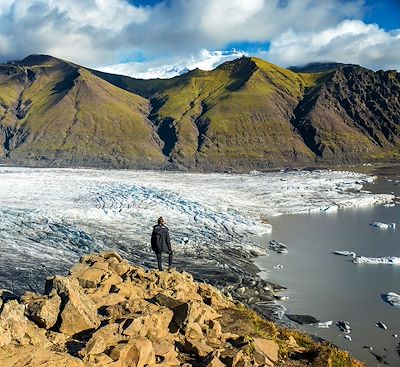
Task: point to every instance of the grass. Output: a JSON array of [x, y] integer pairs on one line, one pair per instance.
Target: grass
[[243, 321], [71, 113]]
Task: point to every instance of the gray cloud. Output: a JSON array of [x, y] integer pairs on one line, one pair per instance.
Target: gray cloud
[[351, 41], [97, 33]]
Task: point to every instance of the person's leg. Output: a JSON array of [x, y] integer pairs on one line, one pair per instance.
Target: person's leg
[[159, 261], [170, 259]]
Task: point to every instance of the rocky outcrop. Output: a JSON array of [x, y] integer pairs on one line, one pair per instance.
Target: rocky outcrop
[[109, 313]]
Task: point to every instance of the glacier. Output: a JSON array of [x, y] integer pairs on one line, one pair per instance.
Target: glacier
[[51, 216]]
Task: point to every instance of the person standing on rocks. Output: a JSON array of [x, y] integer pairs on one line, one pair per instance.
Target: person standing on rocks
[[160, 242]]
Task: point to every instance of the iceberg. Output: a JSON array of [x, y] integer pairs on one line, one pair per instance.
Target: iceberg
[[344, 326], [383, 225], [324, 324], [392, 298], [281, 298], [345, 253], [389, 260], [381, 325], [278, 247]]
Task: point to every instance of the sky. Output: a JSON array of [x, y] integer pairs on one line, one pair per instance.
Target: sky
[[163, 38]]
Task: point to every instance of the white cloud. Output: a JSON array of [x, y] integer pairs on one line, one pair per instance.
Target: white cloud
[[351, 41], [205, 60], [103, 32], [99, 32]]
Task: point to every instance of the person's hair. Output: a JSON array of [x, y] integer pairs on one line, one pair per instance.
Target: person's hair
[[160, 220]]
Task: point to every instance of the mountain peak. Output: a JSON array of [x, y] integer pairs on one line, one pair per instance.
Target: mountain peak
[[39, 59], [318, 67]]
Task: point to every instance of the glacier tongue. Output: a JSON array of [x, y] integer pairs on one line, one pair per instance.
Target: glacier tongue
[[52, 216]]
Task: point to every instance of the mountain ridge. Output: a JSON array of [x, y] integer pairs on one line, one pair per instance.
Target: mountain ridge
[[245, 114]]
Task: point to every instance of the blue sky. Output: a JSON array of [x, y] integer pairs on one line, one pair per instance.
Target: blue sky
[[386, 13], [152, 38]]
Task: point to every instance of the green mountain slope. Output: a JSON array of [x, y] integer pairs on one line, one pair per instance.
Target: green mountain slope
[[245, 114], [54, 111]]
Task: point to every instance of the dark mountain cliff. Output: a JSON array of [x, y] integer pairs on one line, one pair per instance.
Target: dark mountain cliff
[[244, 114]]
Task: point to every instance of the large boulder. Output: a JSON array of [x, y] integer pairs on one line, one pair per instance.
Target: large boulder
[[78, 311], [91, 277], [213, 297], [240, 360], [265, 351], [130, 290], [137, 352], [165, 349], [198, 348], [213, 360], [29, 356], [149, 322], [13, 323], [187, 313], [43, 310], [105, 338]]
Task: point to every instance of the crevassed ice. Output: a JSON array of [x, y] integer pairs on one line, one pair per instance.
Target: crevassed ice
[[60, 213], [197, 204]]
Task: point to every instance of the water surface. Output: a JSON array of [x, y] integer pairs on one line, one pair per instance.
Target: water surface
[[331, 287]]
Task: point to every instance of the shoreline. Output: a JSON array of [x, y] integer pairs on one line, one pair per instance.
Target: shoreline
[[357, 167]]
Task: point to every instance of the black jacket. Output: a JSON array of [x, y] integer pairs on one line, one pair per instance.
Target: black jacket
[[160, 241]]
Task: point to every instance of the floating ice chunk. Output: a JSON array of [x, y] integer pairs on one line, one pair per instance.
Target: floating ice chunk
[[389, 205], [392, 298], [279, 266], [348, 337], [390, 260], [383, 225], [324, 324], [345, 253], [330, 209], [279, 247], [394, 335], [381, 325], [344, 326], [281, 298]]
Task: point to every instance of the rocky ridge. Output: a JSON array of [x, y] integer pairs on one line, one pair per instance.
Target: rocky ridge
[[109, 313]]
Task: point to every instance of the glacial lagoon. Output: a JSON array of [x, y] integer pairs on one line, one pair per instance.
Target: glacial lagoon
[[332, 287]]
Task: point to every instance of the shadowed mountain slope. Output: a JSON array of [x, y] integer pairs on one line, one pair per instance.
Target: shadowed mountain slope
[[244, 114]]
